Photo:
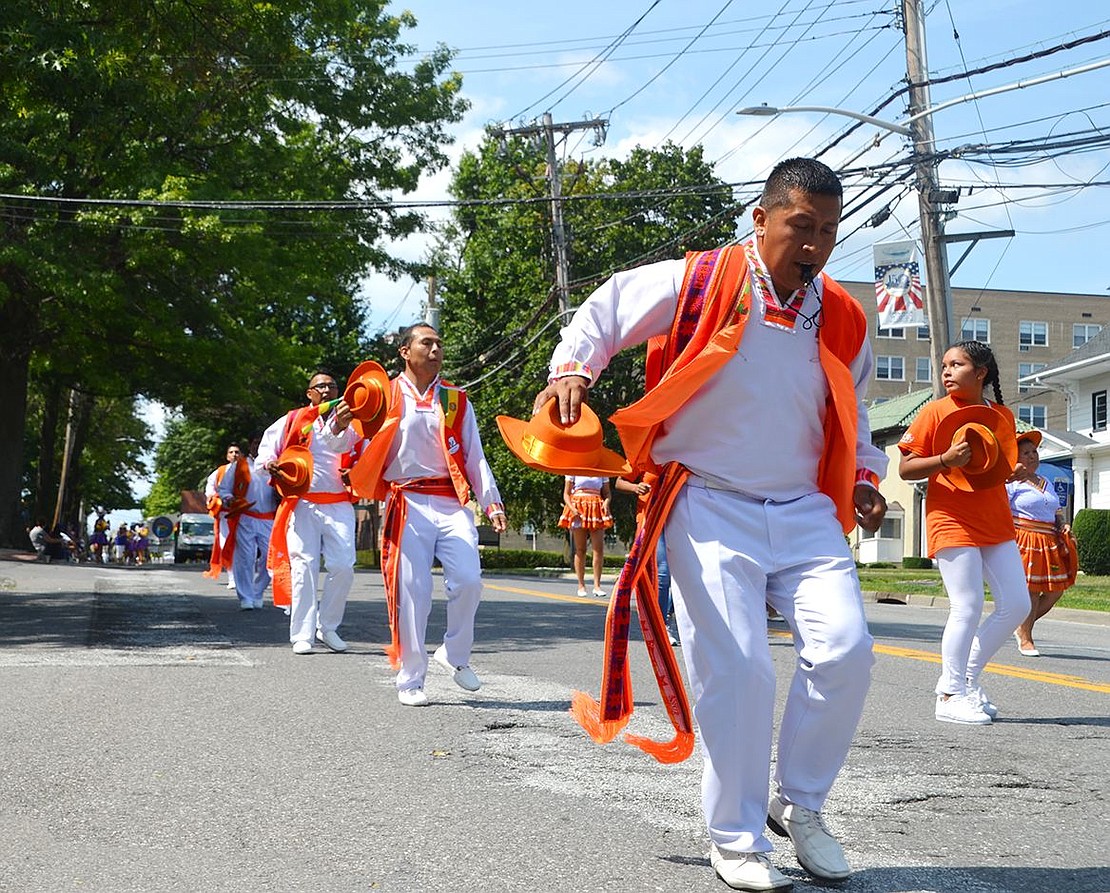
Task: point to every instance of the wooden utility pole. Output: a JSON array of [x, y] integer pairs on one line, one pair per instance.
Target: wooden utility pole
[[546, 130]]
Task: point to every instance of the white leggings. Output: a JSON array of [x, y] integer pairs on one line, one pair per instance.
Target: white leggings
[[967, 645]]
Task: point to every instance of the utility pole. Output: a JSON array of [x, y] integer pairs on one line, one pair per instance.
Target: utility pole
[[938, 288], [431, 316], [546, 130]]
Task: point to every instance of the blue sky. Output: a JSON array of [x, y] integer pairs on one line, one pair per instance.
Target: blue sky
[[685, 67]]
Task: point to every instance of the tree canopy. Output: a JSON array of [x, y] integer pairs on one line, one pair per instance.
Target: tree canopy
[[148, 153]]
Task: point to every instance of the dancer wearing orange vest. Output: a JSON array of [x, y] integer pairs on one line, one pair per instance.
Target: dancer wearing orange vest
[[321, 523], [255, 521], [425, 460], [757, 429], [220, 518]]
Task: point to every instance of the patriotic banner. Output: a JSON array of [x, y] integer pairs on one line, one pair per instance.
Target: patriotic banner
[[898, 285]]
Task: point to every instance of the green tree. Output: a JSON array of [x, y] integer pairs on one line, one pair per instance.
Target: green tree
[[496, 271], [126, 126]]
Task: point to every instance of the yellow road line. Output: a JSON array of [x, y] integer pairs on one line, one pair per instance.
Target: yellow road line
[[1061, 679]]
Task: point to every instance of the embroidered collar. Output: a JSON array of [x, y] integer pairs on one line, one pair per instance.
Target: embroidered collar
[[776, 313]]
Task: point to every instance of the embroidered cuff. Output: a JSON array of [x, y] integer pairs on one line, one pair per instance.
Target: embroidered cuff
[[495, 508], [865, 476], [564, 370]]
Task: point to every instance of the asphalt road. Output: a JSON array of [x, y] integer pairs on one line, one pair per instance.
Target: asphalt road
[[155, 738]]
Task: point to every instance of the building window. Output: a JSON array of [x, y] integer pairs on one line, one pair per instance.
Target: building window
[[923, 371], [890, 368], [1082, 332], [1025, 369], [1098, 411], [890, 529], [880, 332], [923, 333], [1032, 334], [1035, 414], [976, 330]]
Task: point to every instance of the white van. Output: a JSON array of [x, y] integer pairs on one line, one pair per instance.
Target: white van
[[193, 538]]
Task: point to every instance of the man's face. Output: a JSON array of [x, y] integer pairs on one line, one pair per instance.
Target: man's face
[[321, 387], [423, 355], [233, 453], [798, 233]]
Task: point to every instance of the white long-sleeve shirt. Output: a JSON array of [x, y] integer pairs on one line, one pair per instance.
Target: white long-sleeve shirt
[[757, 426], [325, 445], [417, 450], [259, 492]]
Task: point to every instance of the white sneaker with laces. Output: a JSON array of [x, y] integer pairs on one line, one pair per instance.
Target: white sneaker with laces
[[464, 676], [302, 647], [332, 641], [818, 852], [985, 704], [961, 708], [412, 697], [747, 871]]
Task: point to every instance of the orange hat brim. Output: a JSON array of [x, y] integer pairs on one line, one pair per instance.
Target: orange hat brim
[[294, 475], [368, 393], [1034, 436], [1003, 434], [602, 462]]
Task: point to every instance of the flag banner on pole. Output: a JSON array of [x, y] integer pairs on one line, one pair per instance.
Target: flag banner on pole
[[898, 285]]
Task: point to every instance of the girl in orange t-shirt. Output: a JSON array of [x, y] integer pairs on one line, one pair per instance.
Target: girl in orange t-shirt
[[970, 534]]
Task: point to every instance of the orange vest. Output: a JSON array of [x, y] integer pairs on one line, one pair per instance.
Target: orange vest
[[690, 358], [366, 474]]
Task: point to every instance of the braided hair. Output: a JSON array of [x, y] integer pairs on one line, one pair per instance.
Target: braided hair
[[982, 357]]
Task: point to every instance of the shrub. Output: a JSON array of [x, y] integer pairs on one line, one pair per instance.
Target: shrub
[[525, 558], [916, 563], [1092, 531]]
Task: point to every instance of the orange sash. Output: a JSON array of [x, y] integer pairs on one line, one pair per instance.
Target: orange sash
[[393, 528], [223, 553]]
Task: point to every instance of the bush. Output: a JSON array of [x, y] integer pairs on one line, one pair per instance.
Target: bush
[[523, 558], [917, 563], [1092, 531]]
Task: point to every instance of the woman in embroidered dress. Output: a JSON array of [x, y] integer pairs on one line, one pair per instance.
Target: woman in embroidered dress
[[970, 533], [1048, 550], [586, 515]]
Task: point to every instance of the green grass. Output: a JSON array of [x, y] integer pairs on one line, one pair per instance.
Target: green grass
[[1089, 593]]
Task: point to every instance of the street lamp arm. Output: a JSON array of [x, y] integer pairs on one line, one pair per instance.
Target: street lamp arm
[[769, 111]]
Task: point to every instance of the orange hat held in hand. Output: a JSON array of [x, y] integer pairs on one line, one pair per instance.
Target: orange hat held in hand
[[293, 476], [545, 443], [368, 393], [993, 447]]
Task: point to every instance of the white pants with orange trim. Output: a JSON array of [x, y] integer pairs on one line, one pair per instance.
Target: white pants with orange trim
[[729, 554], [315, 530], [252, 542], [436, 527]]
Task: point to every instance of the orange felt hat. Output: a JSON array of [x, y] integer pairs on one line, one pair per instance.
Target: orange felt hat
[[1033, 436], [545, 443], [293, 476], [367, 393], [993, 447]]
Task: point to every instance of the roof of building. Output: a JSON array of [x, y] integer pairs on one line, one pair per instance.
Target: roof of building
[[897, 413], [1095, 349]]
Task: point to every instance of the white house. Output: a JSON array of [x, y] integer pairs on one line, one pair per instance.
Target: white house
[[1083, 377]]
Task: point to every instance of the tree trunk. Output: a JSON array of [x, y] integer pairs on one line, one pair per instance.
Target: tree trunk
[[46, 481], [14, 514]]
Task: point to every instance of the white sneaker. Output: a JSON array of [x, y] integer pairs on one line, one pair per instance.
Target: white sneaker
[[332, 641], [464, 676], [747, 871], [976, 691], [412, 697], [600, 593], [302, 647], [818, 852], [581, 592], [961, 708]]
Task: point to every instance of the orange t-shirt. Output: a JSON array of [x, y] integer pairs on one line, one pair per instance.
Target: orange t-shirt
[[955, 517]]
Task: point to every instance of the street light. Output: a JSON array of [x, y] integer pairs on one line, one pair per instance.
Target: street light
[[770, 111]]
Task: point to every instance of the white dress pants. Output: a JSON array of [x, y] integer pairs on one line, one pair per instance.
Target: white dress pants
[[437, 527], [729, 554], [968, 645], [315, 530], [252, 542]]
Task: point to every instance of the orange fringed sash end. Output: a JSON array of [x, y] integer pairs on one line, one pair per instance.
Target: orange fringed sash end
[[587, 713], [278, 558], [674, 751], [215, 560]]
